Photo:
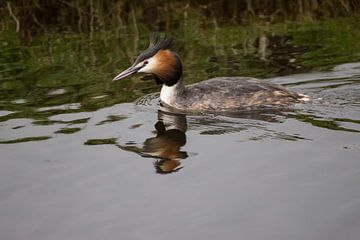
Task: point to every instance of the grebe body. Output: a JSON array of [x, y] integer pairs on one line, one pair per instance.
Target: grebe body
[[226, 94]]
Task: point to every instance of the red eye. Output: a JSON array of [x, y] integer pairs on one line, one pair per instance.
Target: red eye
[[146, 62]]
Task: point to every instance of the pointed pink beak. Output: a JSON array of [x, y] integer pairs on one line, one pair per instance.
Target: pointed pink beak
[[131, 70]]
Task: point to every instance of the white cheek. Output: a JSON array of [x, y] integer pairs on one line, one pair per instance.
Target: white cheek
[[148, 68]]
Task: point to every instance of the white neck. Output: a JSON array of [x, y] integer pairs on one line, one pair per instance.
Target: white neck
[[168, 94]]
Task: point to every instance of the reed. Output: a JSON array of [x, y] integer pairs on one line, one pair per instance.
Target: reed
[[33, 16]]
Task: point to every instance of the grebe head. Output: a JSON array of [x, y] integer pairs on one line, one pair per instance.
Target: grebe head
[[159, 60]]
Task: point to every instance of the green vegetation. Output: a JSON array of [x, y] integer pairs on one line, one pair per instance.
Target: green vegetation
[[43, 16]]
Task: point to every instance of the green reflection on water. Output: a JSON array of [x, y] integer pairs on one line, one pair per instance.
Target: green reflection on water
[[27, 139], [49, 122], [100, 141], [61, 68], [328, 124], [111, 118], [68, 130]]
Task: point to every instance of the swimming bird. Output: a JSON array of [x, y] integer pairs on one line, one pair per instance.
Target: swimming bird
[[220, 94]]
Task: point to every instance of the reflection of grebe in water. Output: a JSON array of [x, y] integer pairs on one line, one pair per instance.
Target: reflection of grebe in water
[[166, 145], [170, 136]]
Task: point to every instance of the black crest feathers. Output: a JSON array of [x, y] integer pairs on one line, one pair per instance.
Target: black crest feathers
[[156, 43]]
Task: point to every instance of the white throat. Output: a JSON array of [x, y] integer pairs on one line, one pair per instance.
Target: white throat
[[168, 94]]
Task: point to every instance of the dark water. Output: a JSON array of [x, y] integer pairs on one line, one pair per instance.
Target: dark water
[[81, 158]]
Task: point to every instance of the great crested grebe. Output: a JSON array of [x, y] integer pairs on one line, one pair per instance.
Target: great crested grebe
[[215, 95]]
